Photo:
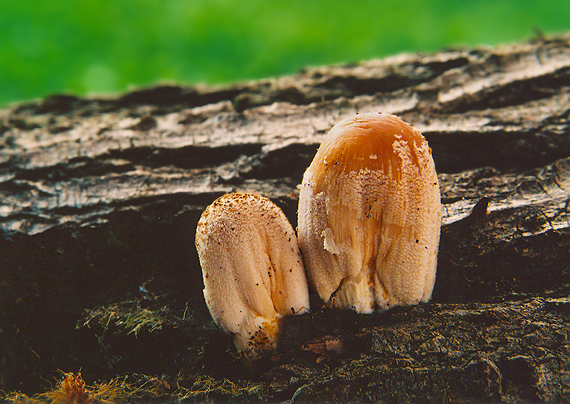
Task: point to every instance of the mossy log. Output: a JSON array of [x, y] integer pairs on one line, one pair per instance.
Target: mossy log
[[100, 200]]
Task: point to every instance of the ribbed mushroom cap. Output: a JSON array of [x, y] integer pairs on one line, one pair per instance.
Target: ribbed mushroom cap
[[252, 268], [370, 215]]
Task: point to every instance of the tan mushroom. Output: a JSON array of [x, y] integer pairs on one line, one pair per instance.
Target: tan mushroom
[[252, 269], [370, 215]]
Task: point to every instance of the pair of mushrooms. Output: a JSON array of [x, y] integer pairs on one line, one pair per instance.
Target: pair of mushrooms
[[368, 233]]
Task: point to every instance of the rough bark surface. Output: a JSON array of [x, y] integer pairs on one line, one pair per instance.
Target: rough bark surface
[[100, 200]]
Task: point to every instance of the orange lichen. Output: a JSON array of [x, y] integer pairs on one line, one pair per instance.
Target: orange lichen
[[71, 390]]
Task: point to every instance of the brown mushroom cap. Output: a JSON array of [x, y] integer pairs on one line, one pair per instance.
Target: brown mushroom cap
[[252, 268], [370, 214]]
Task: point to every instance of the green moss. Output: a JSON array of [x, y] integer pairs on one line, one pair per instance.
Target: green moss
[[130, 317]]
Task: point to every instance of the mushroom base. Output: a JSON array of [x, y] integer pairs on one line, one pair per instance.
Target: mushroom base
[[371, 295], [257, 335]]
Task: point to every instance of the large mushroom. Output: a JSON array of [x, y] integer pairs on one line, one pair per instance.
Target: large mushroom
[[370, 215], [252, 269]]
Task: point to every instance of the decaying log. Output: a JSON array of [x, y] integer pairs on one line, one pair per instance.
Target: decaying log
[[100, 200]]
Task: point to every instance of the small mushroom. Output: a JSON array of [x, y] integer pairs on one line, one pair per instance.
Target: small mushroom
[[370, 215], [252, 269]]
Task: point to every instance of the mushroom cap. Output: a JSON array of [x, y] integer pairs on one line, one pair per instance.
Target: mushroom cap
[[370, 215], [252, 268]]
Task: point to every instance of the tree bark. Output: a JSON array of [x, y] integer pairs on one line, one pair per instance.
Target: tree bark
[[100, 200]]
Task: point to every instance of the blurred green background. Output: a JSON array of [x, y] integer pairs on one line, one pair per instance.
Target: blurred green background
[[101, 47]]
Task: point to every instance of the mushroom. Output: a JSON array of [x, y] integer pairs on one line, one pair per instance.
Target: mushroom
[[252, 269], [370, 215]]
